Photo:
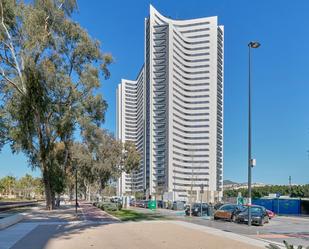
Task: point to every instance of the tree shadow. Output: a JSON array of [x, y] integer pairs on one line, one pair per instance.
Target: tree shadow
[[39, 237]]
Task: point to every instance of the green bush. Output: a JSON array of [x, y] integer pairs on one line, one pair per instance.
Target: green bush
[[108, 206]]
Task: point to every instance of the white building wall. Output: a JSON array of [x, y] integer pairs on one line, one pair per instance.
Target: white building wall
[[130, 127], [183, 109]]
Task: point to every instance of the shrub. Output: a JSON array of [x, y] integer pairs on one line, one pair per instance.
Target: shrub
[[108, 206]]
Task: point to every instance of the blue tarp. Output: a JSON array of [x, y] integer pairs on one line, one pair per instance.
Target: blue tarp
[[280, 206]]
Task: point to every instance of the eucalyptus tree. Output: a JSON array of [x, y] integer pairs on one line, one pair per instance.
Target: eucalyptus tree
[[8, 184], [106, 154], [101, 158], [50, 70], [130, 161]]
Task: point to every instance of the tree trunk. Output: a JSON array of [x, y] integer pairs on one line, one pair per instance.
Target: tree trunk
[[48, 190], [53, 199], [71, 194]]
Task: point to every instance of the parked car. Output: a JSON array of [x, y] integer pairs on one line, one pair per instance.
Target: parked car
[[218, 205], [146, 204], [132, 202], [196, 209], [259, 215], [141, 204], [270, 214], [228, 212]]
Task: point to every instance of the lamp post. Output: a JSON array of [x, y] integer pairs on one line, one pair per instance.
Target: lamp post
[[76, 202], [251, 161]]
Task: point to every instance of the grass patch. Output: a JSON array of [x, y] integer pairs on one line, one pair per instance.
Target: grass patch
[[131, 215]]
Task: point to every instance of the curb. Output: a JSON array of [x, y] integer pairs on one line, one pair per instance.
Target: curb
[[10, 220], [111, 216]]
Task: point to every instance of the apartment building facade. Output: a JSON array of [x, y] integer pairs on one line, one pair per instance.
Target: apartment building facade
[[177, 122]]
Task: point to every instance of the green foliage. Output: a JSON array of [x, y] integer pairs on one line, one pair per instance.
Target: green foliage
[[131, 158], [301, 191], [50, 70], [99, 157], [25, 187], [131, 215], [8, 183], [109, 206]]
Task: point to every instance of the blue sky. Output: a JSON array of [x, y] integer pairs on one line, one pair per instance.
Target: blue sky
[[280, 77]]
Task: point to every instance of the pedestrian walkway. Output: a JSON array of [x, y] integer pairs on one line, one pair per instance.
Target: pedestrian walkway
[[9, 236], [94, 214], [133, 235], [40, 225], [65, 213], [93, 228]]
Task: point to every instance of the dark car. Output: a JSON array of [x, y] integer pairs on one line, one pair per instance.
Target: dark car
[[196, 209], [141, 204], [132, 203], [259, 215], [228, 212], [270, 213], [218, 205]]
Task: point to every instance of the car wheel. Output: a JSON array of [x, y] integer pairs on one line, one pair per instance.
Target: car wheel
[[216, 218], [262, 221]]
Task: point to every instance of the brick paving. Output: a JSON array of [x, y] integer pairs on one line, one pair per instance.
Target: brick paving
[[94, 214]]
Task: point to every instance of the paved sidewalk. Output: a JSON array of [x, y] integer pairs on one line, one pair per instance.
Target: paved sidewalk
[[139, 235], [40, 225], [93, 228], [65, 213], [94, 214], [11, 235]]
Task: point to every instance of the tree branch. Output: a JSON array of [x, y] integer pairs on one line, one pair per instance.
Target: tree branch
[[11, 47], [11, 82]]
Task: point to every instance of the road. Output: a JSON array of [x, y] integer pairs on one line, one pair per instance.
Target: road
[[295, 230]]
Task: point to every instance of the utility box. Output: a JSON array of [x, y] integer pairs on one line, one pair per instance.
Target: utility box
[[152, 204]]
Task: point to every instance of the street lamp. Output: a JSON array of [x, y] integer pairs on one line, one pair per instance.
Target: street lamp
[[76, 201], [251, 161]]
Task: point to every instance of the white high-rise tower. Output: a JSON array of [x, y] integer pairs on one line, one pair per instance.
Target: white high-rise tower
[[182, 99]]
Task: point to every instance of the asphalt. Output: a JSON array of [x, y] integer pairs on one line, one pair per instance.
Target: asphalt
[[294, 230]]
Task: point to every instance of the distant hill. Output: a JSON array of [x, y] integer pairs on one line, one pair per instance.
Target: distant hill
[[229, 182]]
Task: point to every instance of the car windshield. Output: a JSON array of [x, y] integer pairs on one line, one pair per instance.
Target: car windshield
[[254, 210]]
